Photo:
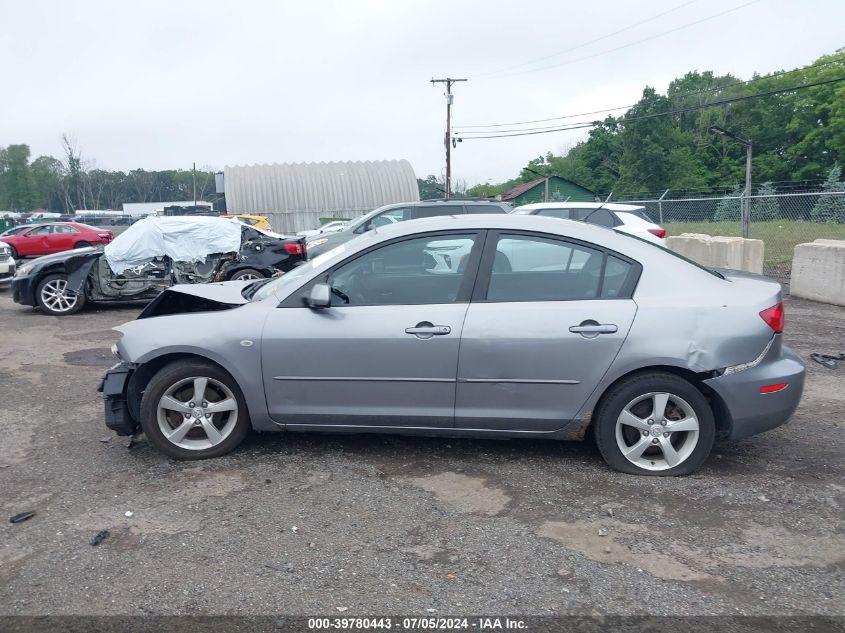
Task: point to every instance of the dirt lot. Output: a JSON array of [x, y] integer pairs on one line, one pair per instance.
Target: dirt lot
[[306, 524]]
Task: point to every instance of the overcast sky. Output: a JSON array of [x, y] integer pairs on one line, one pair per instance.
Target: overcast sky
[[161, 84]]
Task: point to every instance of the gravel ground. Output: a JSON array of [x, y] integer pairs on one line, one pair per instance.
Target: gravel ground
[[311, 524]]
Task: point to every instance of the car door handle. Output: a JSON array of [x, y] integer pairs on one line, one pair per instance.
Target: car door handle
[[427, 330], [591, 327]]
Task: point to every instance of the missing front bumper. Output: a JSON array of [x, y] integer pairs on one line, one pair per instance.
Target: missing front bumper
[[113, 387]]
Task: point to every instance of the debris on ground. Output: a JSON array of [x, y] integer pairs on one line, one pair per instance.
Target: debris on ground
[[827, 360], [603, 532], [105, 438], [128, 514], [21, 517], [99, 537]]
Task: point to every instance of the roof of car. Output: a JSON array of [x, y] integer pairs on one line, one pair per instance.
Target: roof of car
[[610, 206]]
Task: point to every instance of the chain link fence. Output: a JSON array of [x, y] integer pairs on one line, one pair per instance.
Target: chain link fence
[[780, 220]]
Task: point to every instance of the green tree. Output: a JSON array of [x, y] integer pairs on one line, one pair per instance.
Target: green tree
[[765, 208], [430, 187], [17, 186], [47, 174], [831, 208], [730, 208]]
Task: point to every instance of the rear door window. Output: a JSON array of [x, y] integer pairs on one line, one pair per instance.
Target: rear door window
[[563, 214], [528, 268], [601, 217]]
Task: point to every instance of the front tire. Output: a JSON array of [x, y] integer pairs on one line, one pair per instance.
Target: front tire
[[13, 252], [53, 298], [654, 423], [194, 410]]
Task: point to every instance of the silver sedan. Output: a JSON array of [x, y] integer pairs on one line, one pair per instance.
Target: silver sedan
[[472, 326]]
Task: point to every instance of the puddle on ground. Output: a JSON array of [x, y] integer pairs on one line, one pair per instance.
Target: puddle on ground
[[463, 493], [94, 357]]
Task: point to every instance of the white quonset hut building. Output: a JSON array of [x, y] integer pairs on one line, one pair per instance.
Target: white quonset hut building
[[295, 196]]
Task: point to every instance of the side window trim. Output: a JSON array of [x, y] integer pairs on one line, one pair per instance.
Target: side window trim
[[485, 270], [296, 297]]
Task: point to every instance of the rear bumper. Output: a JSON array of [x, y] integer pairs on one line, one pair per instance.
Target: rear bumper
[[752, 412], [23, 290], [113, 387]]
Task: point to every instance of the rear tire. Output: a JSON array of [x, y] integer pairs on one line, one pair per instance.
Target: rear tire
[[188, 433], [53, 299], [81, 245], [13, 252], [635, 436], [247, 273]]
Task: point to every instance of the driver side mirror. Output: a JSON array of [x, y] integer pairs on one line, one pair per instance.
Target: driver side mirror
[[319, 297]]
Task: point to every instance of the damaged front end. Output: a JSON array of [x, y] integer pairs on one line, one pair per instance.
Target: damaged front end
[[115, 387], [184, 299]]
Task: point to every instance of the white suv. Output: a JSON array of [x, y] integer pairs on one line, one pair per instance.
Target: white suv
[[629, 218]]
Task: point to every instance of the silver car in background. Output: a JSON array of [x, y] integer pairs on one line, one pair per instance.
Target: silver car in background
[[545, 329]]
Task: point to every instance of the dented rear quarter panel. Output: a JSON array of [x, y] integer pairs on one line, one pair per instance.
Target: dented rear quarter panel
[[690, 319]]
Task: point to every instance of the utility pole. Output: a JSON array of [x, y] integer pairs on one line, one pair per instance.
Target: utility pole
[[448, 138], [194, 178]]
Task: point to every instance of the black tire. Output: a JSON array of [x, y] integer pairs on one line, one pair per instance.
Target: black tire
[[247, 273], [81, 245], [627, 391], [172, 374], [42, 300], [12, 251]]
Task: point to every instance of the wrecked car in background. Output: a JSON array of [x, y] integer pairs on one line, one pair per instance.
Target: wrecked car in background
[[149, 257]]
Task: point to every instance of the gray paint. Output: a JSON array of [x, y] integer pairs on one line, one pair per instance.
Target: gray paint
[[507, 368]]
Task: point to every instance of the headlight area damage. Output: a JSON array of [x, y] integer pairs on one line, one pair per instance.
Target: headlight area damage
[[114, 387], [122, 385]]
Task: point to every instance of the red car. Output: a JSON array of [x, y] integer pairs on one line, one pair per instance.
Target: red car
[[55, 237]]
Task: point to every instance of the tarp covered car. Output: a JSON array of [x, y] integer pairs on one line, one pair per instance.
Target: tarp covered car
[[149, 257]]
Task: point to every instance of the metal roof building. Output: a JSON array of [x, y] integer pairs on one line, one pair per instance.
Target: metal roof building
[[296, 195]]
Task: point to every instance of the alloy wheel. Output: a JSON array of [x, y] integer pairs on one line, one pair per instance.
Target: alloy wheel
[[54, 295], [197, 413], [657, 431]]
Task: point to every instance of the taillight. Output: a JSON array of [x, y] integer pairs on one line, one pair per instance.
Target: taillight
[[658, 232], [774, 317], [295, 248], [774, 388]]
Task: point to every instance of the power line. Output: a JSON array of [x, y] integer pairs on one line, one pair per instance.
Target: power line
[[578, 126], [674, 97], [624, 46], [598, 39]]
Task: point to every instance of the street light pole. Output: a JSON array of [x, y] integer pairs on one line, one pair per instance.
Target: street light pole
[[746, 211], [746, 200]]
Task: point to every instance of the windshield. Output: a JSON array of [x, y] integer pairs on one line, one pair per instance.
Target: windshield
[[281, 285]]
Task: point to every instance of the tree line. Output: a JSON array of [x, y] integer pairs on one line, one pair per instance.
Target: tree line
[[798, 138], [72, 183]]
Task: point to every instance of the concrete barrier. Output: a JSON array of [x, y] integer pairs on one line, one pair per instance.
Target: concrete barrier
[[818, 271], [720, 252]]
